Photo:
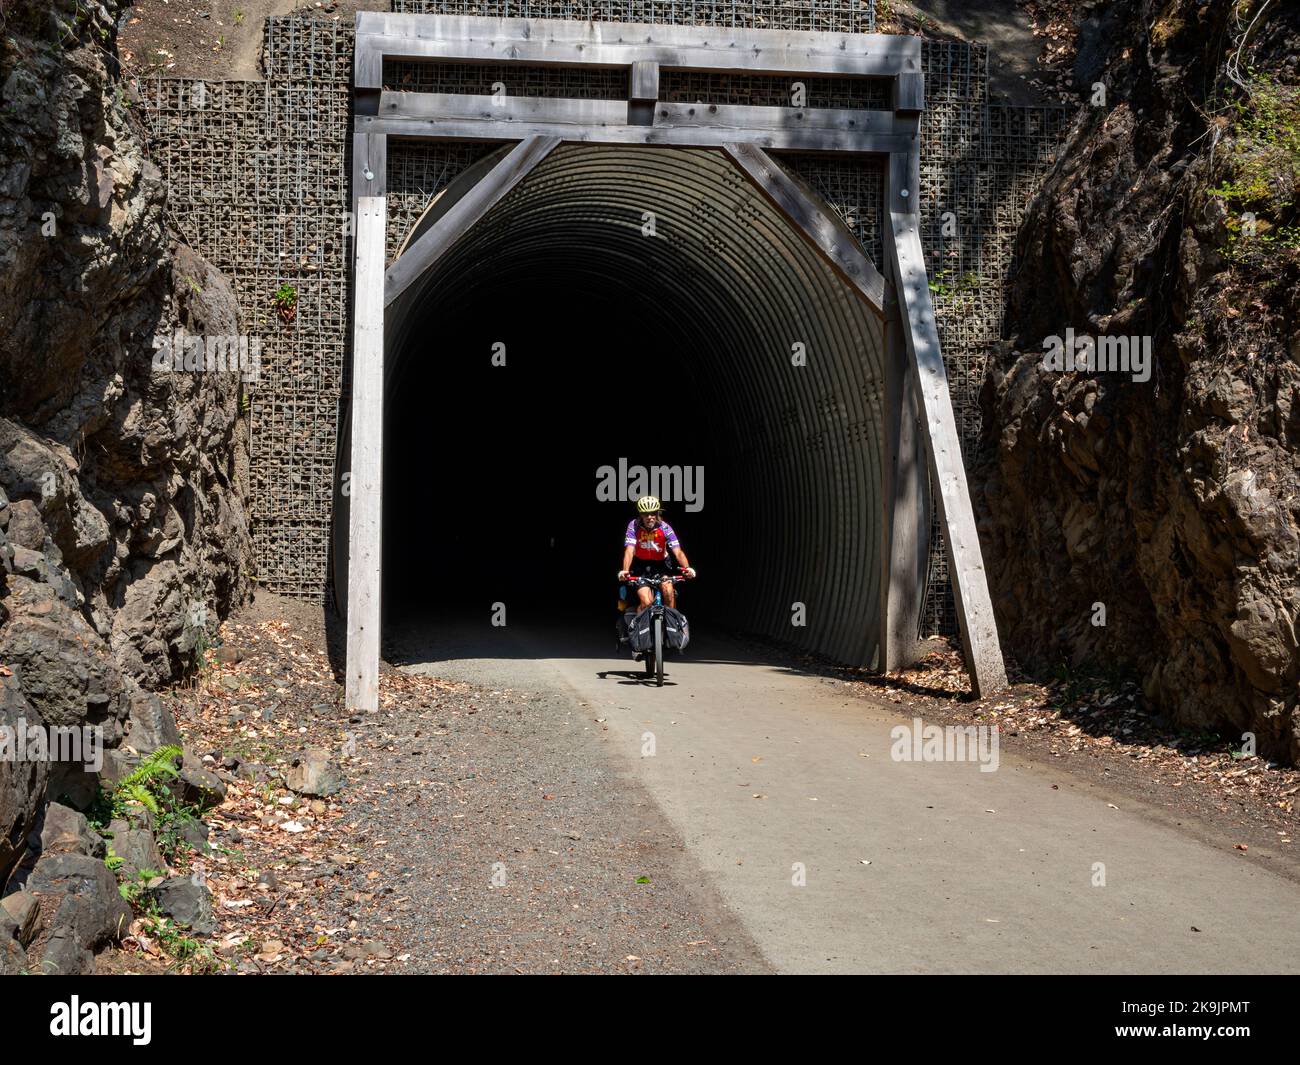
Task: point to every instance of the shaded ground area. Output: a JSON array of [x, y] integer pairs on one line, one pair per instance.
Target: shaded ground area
[[1031, 42]]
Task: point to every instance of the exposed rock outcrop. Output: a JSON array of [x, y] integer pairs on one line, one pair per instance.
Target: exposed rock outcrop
[[123, 537], [1173, 501]]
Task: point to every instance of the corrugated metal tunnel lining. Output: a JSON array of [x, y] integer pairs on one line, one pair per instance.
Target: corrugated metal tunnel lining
[[797, 500]]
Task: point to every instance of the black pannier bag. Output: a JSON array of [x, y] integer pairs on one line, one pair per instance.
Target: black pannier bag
[[677, 630], [640, 633]]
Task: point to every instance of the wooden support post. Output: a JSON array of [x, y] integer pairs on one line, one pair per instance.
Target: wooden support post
[[979, 631], [905, 510], [416, 260], [369, 157], [366, 484]]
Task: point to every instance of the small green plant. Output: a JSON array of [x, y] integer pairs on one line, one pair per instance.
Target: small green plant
[[145, 784], [200, 649], [286, 302], [134, 890], [146, 787], [178, 943], [939, 286], [1260, 169], [239, 16], [171, 831]]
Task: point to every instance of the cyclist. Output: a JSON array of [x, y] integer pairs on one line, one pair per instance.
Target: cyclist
[[646, 545]]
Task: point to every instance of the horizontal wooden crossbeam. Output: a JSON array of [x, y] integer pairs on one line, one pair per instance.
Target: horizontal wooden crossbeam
[[567, 43], [607, 122]]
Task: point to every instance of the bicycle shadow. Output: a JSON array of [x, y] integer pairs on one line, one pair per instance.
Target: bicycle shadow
[[632, 676]]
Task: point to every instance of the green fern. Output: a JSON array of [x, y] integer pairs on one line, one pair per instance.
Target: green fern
[[143, 784]]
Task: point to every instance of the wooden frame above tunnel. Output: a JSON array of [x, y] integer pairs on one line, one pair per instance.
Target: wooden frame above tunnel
[[920, 429]]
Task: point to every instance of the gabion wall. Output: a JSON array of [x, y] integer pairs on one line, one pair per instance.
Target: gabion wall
[[981, 163], [258, 173], [826, 16]]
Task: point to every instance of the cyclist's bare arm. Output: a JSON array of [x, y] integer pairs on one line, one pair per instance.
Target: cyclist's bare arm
[[680, 555], [627, 559]]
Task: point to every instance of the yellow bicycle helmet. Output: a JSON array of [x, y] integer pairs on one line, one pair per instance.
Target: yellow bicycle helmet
[[648, 505]]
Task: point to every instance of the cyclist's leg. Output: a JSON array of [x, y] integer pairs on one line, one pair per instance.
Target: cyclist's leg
[[642, 597], [670, 593]]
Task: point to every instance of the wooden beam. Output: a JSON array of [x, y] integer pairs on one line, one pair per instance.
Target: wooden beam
[[466, 211], [502, 109], [365, 483], [965, 560], [827, 235], [369, 156], [553, 111], [909, 93], [645, 81], [905, 508], [705, 134], [567, 42]]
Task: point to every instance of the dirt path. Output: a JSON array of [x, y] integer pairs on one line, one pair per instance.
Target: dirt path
[[479, 829], [217, 40]]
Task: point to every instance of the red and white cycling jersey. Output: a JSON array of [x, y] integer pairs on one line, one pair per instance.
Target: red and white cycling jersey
[[651, 544]]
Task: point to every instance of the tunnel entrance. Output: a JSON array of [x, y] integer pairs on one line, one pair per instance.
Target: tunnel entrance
[[625, 307], [634, 282]]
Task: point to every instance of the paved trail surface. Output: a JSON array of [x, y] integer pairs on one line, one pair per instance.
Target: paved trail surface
[[760, 767]]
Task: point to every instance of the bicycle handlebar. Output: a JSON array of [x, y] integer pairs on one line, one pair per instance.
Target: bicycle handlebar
[[632, 579]]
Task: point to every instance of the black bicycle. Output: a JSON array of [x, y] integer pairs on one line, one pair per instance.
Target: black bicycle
[[654, 658]]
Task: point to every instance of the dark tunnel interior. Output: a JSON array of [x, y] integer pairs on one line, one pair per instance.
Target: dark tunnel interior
[[491, 471]]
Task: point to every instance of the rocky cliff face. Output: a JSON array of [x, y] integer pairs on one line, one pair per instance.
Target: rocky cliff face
[[122, 528], [1174, 501]]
